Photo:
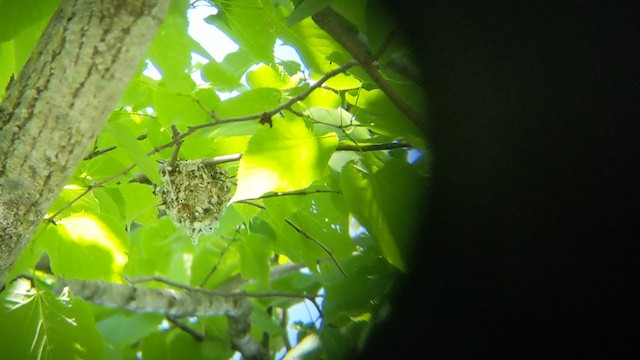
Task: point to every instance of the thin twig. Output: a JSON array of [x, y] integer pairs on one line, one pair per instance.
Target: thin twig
[[188, 288], [303, 233], [177, 141], [346, 34], [342, 146], [222, 253], [299, 193], [96, 153], [268, 114], [51, 218], [283, 325], [198, 336], [99, 152]]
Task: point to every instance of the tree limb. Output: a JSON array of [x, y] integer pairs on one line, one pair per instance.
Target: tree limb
[[55, 108], [175, 304], [346, 34]]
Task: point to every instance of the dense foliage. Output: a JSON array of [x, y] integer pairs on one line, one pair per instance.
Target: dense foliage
[[314, 158]]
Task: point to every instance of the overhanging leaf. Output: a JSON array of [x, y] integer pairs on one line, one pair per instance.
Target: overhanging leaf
[[42, 326], [286, 157], [124, 136], [86, 246], [385, 203]]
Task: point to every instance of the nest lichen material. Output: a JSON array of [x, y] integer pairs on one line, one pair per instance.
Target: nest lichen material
[[194, 195]]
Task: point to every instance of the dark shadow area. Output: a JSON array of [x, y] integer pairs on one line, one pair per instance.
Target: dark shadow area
[[528, 246]]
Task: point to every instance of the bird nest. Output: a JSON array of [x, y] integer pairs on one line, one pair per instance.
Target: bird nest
[[194, 195]]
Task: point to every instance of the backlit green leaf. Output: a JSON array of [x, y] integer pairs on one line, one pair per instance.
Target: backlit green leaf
[[343, 82], [384, 204], [86, 246], [255, 251], [40, 325], [141, 203], [121, 129], [251, 102], [250, 24], [286, 157], [269, 77]]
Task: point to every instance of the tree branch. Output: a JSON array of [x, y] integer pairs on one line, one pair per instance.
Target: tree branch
[[346, 34], [268, 114], [44, 127], [175, 304], [198, 336]]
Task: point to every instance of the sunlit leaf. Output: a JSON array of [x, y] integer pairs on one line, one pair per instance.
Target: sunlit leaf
[[121, 129], [255, 251], [86, 246], [42, 326], [343, 82], [306, 9], [141, 204], [250, 24], [250, 102], [322, 98], [285, 157], [270, 77]]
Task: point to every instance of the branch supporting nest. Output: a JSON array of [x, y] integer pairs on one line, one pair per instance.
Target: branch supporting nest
[[176, 304]]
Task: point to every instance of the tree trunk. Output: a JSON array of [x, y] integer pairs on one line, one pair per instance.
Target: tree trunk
[[55, 108]]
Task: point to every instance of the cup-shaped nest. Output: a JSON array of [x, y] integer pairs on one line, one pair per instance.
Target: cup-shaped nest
[[194, 194]]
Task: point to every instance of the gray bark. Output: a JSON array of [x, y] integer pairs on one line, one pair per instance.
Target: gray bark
[[176, 303], [55, 108]]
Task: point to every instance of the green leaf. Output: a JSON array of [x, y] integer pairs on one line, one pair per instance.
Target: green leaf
[[111, 202], [385, 203], [329, 225], [306, 9], [161, 250], [342, 82], [251, 102], [313, 44], [123, 329], [172, 46], [141, 204], [18, 16], [154, 346], [122, 130], [39, 325], [207, 254], [70, 192], [280, 208], [255, 251], [374, 107], [178, 109], [86, 246], [250, 24], [322, 98], [286, 157], [265, 76], [221, 78]]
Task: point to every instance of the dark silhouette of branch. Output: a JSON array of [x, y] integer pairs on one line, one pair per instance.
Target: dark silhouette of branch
[[198, 336]]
